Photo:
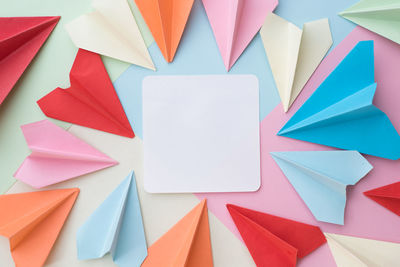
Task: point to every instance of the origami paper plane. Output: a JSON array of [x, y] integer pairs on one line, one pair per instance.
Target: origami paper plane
[[115, 227], [235, 23], [340, 112], [32, 222], [321, 178], [111, 30], [387, 196], [57, 156], [274, 241], [90, 101], [187, 243], [294, 54], [351, 251], [20, 40], [166, 20], [381, 17]]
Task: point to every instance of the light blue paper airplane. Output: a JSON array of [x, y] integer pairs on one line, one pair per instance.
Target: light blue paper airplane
[[321, 178], [340, 113], [115, 227]]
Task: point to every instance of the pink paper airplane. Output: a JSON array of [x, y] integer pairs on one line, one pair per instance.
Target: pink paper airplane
[[235, 23], [57, 156]]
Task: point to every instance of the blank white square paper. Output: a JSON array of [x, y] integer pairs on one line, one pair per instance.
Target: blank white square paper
[[201, 133]]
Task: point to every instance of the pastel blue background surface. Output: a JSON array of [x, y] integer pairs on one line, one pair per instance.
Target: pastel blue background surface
[[198, 54], [321, 177]]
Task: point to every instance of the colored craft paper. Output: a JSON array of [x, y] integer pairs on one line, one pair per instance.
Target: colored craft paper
[[166, 20], [387, 196], [32, 222], [180, 155], [187, 243], [275, 241], [382, 17], [235, 23], [20, 40], [90, 101], [57, 156], [294, 54], [115, 227], [340, 113], [351, 251], [111, 30], [321, 178], [363, 216]]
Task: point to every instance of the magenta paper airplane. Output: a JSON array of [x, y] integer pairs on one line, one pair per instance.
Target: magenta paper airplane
[[235, 23], [57, 156]]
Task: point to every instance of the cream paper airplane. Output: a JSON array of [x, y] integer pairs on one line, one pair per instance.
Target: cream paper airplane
[[351, 251], [111, 30], [294, 54]]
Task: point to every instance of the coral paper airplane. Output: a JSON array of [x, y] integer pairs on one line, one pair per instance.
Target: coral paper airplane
[[32, 222], [115, 227], [166, 20], [274, 241], [187, 243], [340, 112], [351, 251], [294, 54], [382, 17], [235, 23], [57, 156], [111, 30], [20, 40], [387, 196], [90, 101], [321, 178]]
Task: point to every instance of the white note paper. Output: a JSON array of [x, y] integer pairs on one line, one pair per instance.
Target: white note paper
[[201, 133]]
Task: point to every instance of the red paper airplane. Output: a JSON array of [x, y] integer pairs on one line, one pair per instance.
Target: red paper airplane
[[274, 241], [388, 196], [91, 101], [20, 40]]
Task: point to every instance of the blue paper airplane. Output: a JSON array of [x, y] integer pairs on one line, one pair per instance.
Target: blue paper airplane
[[115, 227], [321, 177], [340, 113]]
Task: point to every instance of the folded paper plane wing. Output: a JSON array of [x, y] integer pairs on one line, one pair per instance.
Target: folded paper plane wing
[[57, 156], [387, 196], [382, 17], [274, 241], [20, 40], [32, 222], [187, 243], [91, 99], [111, 30], [351, 251], [166, 20], [321, 178], [294, 54], [340, 112], [235, 23], [115, 227]]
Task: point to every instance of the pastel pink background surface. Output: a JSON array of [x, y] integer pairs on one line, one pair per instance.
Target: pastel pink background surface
[[363, 217]]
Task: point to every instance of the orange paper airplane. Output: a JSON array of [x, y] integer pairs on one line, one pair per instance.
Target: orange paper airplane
[[185, 244], [32, 222], [166, 20]]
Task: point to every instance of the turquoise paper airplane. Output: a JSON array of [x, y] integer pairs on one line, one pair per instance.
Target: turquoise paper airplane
[[340, 112], [115, 227], [321, 178], [380, 16]]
